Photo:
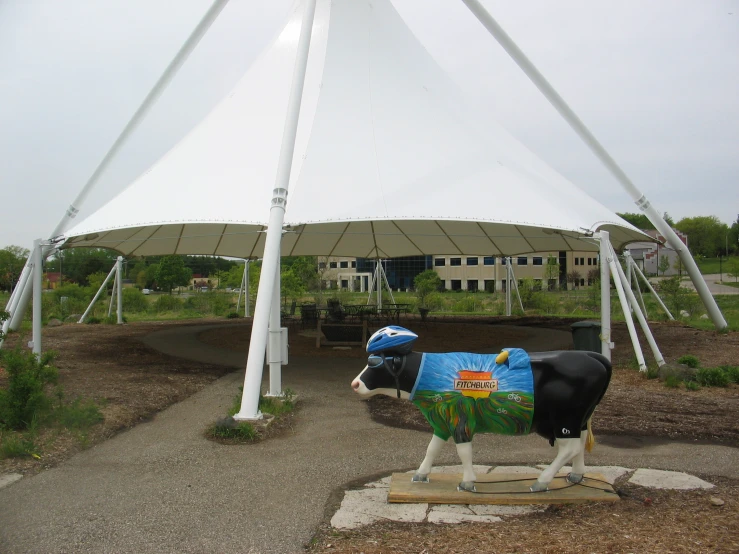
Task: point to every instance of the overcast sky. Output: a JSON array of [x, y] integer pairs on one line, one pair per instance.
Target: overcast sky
[[657, 83]]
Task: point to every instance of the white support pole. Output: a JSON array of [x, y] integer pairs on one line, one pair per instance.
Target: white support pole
[[589, 139], [258, 342], [605, 296], [378, 282], [119, 271], [12, 305], [639, 315], [274, 349], [387, 284], [615, 267], [515, 283], [112, 295], [631, 271], [372, 285], [151, 98], [507, 286], [247, 292], [97, 295], [38, 272], [651, 289]]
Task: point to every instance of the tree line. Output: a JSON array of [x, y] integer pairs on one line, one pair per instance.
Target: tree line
[[707, 236]]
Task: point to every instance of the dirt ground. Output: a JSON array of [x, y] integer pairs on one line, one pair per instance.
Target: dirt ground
[[133, 382]]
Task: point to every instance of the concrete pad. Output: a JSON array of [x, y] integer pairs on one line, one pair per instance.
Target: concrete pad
[[9, 478], [675, 480], [611, 473], [365, 506], [439, 516], [453, 508], [383, 483]]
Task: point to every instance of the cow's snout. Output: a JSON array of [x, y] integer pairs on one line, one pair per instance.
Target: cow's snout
[[355, 384]]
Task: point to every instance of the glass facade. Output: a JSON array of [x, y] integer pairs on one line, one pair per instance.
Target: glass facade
[[400, 271]]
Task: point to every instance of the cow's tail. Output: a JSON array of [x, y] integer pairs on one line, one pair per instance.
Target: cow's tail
[[590, 441]]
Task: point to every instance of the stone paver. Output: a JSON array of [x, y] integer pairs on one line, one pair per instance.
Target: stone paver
[[368, 505], [675, 480], [9, 478]]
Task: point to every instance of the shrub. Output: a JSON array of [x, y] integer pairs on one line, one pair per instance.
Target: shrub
[[732, 372], [134, 301], [79, 414], [692, 385], [16, 446], [689, 360], [93, 320], [467, 304], [227, 428], [712, 377], [233, 315], [112, 319], [24, 400], [672, 381], [167, 303]]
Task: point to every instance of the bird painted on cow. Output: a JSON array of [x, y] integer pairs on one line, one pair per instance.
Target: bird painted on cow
[[552, 394]]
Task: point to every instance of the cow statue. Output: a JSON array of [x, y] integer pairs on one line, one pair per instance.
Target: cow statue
[[551, 393]]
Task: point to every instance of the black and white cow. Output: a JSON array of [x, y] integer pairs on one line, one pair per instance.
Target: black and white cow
[[567, 386]]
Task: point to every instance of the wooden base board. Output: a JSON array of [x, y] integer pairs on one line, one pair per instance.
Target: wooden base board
[[507, 488]]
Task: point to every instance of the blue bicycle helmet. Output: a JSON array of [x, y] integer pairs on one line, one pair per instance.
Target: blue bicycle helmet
[[393, 339]]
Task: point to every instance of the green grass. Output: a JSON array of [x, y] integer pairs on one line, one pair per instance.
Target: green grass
[[710, 266]]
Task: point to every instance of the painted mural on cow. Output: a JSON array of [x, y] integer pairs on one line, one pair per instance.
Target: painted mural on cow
[[552, 394]]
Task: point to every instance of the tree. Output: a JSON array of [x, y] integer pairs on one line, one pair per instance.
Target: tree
[[641, 221], [573, 277], [81, 262], [732, 268], [664, 265], [12, 260], [171, 272], [291, 285], [426, 283], [706, 235], [551, 271]]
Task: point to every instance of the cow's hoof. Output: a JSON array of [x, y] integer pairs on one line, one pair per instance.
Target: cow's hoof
[[539, 487], [575, 478], [468, 486], [420, 478]]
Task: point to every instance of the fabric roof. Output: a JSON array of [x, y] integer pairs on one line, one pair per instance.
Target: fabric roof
[[389, 161]]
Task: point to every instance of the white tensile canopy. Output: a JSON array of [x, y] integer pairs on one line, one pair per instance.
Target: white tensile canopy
[[389, 161]]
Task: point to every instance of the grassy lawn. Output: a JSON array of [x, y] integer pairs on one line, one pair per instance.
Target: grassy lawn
[[711, 266]]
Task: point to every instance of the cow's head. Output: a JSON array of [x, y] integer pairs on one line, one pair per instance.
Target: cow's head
[[385, 375]]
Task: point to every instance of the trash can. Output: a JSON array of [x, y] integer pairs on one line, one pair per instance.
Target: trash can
[[586, 335]]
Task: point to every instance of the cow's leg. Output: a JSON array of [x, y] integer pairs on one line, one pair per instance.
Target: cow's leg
[[578, 462], [566, 451], [464, 451], [422, 475]]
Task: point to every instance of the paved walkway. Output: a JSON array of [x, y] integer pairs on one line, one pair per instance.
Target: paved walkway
[[162, 487]]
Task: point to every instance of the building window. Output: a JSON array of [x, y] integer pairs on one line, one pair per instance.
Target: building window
[[523, 260], [344, 265], [443, 284], [439, 262], [582, 282], [503, 261], [321, 265], [332, 265], [582, 261], [472, 285], [590, 261], [344, 284], [489, 285], [456, 284], [472, 261], [354, 264], [455, 261], [577, 261], [488, 260], [537, 260]]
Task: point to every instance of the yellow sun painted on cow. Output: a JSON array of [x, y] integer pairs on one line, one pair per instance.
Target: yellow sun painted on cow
[[476, 384]]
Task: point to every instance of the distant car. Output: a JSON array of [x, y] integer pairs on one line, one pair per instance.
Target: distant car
[[146, 291], [236, 291]]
